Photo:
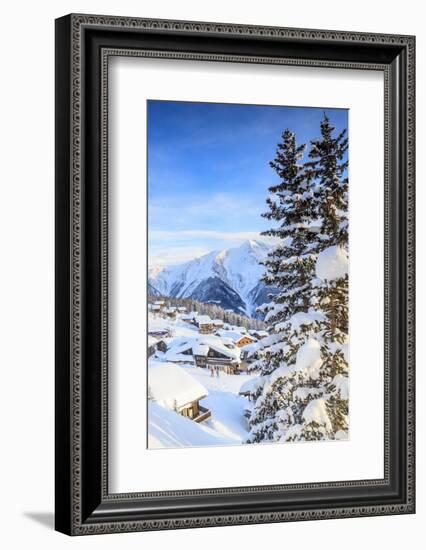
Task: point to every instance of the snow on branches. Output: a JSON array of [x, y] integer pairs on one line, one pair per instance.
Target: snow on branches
[[303, 394]]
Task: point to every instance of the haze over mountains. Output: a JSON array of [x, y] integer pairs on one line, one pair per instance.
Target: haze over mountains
[[230, 278]]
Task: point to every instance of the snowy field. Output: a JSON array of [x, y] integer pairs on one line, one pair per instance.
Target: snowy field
[[175, 380], [226, 426]]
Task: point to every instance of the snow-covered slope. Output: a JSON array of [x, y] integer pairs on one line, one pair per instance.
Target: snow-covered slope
[[229, 278], [167, 428]]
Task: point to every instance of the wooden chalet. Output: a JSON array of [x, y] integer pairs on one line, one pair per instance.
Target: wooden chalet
[[244, 340], [190, 317], [155, 344], [174, 389], [205, 324], [238, 337], [208, 355], [187, 317], [159, 334], [170, 312], [181, 353]]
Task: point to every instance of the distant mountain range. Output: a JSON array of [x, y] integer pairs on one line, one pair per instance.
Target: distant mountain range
[[229, 278]]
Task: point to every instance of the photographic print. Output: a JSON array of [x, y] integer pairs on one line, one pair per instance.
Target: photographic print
[[248, 222]]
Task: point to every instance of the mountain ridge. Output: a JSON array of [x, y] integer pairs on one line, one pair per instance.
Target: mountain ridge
[[230, 277]]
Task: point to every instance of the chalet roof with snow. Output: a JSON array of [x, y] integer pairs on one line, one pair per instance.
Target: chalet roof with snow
[[200, 349], [260, 333], [180, 345], [249, 349], [235, 336], [204, 320], [186, 316], [172, 387], [200, 345], [176, 353], [222, 347], [248, 337]]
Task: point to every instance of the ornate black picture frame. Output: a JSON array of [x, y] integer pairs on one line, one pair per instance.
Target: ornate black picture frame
[[84, 44]]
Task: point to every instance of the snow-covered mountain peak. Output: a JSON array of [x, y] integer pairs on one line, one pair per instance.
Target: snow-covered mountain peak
[[257, 248], [229, 277], [252, 244]]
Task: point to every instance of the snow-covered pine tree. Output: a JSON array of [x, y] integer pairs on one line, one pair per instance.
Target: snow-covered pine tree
[[328, 167], [290, 264], [304, 395], [290, 268]]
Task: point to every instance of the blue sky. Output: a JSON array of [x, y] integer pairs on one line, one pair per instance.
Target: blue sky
[[208, 171]]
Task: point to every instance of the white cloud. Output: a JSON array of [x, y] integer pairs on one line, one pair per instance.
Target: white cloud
[[175, 256], [206, 234], [170, 246], [176, 247]]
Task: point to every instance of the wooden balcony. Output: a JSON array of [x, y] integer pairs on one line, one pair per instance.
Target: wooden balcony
[[204, 414]]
